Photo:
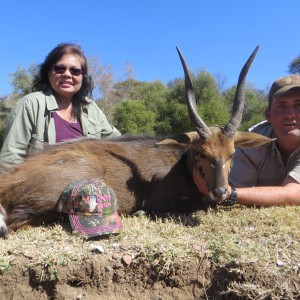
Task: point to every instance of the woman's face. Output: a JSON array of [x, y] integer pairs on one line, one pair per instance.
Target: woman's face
[[65, 76]]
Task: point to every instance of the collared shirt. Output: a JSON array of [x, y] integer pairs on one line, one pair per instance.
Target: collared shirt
[[263, 165], [31, 125]]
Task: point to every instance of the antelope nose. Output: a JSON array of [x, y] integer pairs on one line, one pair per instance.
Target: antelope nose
[[219, 192]]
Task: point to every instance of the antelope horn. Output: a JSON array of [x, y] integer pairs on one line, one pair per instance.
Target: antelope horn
[[202, 129], [239, 99]]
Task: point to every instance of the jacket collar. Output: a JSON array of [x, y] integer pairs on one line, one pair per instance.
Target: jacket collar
[[51, 102]]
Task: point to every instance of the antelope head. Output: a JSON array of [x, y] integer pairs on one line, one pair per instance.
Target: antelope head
[[212, 148]]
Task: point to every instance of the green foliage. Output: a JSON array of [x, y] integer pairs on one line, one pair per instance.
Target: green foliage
[[176, 90], [4, 266], [153, 94], [152, 107], [128, 89], [150, 92], [21, 80], [205, 86], [172, 118], [132, 116], [6, 104], [4, 107], [294, 66], [2, 131], [214, 111], [255, 105], [211, 106]]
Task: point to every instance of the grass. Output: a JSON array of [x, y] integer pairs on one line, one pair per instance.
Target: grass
[[268, 237]]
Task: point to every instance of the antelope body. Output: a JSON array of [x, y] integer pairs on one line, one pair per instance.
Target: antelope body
[[146, 174]]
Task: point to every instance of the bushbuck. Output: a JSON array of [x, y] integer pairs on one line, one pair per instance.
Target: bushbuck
[[145, 174]]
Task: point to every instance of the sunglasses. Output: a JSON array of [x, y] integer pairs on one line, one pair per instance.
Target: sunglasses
[[61, 69]]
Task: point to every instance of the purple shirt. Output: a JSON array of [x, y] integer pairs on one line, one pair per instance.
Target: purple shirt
[[66, 130]]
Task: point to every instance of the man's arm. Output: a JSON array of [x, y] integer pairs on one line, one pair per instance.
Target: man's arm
[[286, 194]]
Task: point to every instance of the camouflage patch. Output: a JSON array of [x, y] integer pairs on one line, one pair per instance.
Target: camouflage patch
[[91, 206]]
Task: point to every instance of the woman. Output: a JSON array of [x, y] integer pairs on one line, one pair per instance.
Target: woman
[[58, 109]]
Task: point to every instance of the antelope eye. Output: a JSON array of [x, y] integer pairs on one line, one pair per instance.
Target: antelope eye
[[202, 155], [199, 153]]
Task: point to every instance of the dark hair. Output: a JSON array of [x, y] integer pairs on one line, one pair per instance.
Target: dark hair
[[41, 80]]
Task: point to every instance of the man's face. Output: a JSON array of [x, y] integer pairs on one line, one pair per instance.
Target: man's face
[[284, 115]]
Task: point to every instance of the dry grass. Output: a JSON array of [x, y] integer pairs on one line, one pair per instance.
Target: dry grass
[[268, 237]]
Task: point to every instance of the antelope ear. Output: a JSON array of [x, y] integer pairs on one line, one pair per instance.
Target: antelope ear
[[249, 139], [182, 140]]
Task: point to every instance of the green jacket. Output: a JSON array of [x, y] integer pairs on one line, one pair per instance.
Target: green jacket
[[31, 125]]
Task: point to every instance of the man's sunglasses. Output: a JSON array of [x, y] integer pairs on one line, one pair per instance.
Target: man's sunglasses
[[61, 69]]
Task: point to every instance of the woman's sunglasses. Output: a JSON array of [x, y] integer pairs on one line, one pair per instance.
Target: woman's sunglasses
[[61, 69]]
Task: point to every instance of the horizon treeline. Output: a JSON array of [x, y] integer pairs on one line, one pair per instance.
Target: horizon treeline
[[150, 108]]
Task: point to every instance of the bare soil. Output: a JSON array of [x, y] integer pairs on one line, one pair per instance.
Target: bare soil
[[106, 278], [231, 254]]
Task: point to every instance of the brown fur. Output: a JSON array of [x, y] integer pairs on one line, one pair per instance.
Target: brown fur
[[143, 175], [127, 165]]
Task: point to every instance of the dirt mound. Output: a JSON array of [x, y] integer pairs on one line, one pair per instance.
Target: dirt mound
[[227, 254], [113, 279]]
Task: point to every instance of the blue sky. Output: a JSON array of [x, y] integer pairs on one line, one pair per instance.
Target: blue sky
[[215, 35]]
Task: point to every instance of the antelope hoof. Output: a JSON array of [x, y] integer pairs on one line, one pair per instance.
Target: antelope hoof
[[3, 227], [3, 230]]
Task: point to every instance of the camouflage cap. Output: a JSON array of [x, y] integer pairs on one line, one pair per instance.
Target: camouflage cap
[[282, 85], [91, 206]]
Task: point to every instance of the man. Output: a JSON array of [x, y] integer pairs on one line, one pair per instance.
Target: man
[[269, 175]]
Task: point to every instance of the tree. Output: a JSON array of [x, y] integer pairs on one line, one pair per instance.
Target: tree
[[128, 89], [150, 92], [205, 88], [6, 104], [176, 90], [21, 80], [132, 116], [255, 104], [211, 105], [152, 107], [105, 80], [214, 111], [172, 118], [153, 94], [294, 66]]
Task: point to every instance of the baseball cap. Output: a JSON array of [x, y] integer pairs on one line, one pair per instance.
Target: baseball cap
[[92, 207], [284, 84]]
